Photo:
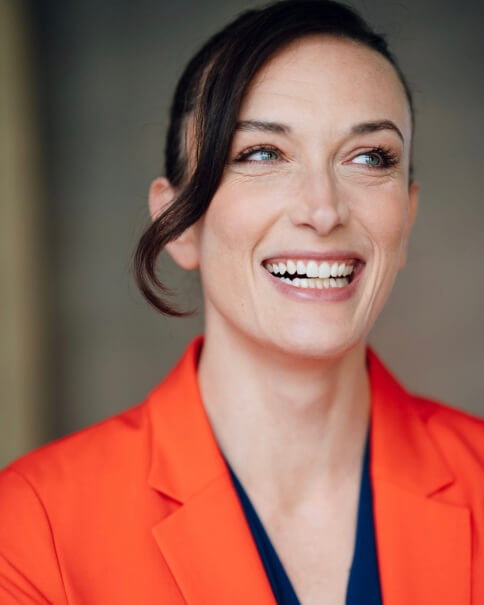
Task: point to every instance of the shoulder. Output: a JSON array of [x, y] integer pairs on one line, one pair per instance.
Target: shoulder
[[93, 476], [451, 418], [451, 427], [100, 450], [458, 434]]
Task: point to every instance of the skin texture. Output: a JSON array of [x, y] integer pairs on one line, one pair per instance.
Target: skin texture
[[284, 380]]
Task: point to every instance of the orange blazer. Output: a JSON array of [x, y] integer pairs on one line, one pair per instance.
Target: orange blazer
[[140, 510]]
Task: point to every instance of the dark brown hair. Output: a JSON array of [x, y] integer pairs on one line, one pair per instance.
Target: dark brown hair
[[211, 90]]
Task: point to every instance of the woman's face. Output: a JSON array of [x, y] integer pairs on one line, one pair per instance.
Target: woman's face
[[316, 182]]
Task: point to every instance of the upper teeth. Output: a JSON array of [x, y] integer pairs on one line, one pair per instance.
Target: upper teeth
[[311, 268]]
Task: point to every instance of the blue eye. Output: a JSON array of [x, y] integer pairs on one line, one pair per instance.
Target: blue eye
[[264, 155], [372, 159], [259, 155], [380, 157]]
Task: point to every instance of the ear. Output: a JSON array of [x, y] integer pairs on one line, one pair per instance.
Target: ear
[[412, 213], [160, 197], [184, 249]]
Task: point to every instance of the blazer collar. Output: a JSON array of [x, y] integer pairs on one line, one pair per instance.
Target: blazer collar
[[423, 533], [186, 457], [413, 530], [185, 454], [206, 542], [402, 451]]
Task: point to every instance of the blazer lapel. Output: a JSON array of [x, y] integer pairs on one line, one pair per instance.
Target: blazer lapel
[[210, 550], [423, 530], [423, 535], [206, 541]]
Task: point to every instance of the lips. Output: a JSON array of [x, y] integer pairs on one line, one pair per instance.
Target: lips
[[305, 272]]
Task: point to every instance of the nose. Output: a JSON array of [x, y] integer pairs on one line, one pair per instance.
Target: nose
[[319, 204]]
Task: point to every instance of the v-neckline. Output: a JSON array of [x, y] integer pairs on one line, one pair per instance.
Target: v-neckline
[[363, 583]]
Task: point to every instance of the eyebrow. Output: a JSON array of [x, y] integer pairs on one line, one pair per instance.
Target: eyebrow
[[278, 128], [262, 126], [367, 127]]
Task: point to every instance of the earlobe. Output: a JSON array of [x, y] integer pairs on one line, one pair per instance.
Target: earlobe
[[184, 250], [413, 202], [412, 213], [160, 196]]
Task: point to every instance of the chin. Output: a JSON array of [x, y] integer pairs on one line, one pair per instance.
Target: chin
[[312, 342]]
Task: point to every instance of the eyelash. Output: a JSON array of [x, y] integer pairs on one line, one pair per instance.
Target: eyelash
[[242, 157], [387, 156]]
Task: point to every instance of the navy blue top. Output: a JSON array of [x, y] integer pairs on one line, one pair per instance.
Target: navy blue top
[[363, 584]]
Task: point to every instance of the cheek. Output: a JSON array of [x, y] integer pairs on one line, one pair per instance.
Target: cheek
[[385, 219], [239, 216]]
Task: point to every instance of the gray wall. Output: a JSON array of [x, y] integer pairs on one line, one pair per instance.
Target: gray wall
[[106, 72]]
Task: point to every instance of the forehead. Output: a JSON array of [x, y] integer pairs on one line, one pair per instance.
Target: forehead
[[329, 81]]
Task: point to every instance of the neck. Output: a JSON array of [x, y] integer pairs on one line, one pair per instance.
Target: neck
[[283, 423]]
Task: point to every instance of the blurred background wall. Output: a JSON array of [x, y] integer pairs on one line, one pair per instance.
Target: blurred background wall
[[85, 89]]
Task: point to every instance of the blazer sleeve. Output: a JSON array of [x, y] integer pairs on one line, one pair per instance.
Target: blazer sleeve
[[29, 567]]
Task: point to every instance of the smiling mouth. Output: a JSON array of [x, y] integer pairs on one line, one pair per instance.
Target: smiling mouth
[[312, 274]]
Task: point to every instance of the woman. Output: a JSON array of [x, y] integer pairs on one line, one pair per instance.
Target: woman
[[279, 461]]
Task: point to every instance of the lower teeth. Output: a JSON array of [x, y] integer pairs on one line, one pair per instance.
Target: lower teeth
[[317, 283]]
